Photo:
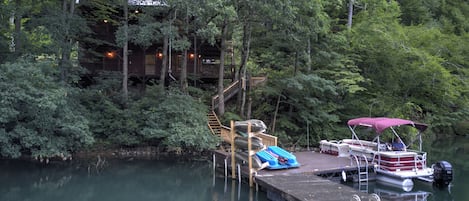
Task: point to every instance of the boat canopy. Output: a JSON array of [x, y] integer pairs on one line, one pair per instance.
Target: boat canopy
[[379, 124]]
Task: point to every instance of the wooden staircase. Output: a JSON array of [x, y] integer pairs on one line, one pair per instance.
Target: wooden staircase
[[233, 89], [230, 91], [214, 123]]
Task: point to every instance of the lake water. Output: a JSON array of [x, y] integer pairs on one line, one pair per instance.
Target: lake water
[[118, 180], [169, 180]]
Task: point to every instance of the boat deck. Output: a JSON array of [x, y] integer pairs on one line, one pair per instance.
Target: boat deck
[[302, 183]]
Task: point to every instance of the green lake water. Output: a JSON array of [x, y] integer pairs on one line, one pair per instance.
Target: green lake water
[[123, 180], [168, 180]]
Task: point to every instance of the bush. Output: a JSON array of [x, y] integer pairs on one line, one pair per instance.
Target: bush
[[37, 115]]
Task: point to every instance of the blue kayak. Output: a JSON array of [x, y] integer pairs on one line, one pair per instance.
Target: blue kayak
[[277, 158]]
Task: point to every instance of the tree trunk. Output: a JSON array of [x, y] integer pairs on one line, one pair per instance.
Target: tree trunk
[[350, 14], [17, 36], [221, 72], [309, 55], [68, 8], [274, 121], [235, 72], [125, 66], [164, 63], [183, 78], [243, 67], [295, 70], [194, 71], [248, 115]]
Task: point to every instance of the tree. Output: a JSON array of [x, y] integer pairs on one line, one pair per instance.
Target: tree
[[217, 17], [125, 52], [177, 121], [51, 29], [405, 69], [293, 102], [38, 114], [6, 38]]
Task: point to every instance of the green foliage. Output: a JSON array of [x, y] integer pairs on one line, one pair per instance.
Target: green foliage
[[158, 118], [416, 12], [404, 59], [335, 61], [37, 113], [304, 99], [406, 69], [178, 120]]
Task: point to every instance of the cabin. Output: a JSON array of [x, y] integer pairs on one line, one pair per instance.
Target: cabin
[[145, 64]]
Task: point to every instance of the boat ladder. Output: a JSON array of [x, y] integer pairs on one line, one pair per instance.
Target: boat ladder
[[362, 174]]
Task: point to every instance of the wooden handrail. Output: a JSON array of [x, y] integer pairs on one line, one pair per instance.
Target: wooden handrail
[[254, 81], [228, 92], [233, 88]]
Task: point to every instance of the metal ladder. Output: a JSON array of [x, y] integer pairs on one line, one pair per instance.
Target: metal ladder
[[362, 175]]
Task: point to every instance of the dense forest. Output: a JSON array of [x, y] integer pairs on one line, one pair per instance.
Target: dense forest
[[326, 62]]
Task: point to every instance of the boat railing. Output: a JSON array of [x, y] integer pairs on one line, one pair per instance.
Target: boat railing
[[422, 159]]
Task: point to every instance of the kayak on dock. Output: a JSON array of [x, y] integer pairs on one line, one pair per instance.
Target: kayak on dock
[[256, 126], [278, 158]]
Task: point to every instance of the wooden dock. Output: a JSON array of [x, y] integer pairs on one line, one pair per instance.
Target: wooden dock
[[303, 183]]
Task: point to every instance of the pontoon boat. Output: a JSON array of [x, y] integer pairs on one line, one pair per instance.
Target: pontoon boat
[[394, 162]]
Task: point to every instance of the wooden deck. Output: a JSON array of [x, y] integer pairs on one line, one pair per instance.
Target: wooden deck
[[302, 183], [314, 163], [306, 187]]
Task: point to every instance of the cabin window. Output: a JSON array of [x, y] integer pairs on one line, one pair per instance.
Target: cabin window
[[150, 64]]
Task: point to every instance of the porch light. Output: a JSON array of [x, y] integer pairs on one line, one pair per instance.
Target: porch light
[[159, 55], [110, 54], [105, 21], [191, 55]]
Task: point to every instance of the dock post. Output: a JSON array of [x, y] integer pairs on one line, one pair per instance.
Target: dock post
[[233, 158], [239, 190], [239, 173], [214, 162], [213, 170], [226, 168], [250, 154]]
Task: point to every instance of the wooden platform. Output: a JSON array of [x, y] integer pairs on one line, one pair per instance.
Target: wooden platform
[[302, 183], [314, 163], [306, 187]]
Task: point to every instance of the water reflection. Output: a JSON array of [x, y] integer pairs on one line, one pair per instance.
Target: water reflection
[[420, 192], [146, 180], [392, 193], [155, 180]]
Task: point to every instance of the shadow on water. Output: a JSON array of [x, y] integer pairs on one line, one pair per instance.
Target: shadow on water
[[118, 180]]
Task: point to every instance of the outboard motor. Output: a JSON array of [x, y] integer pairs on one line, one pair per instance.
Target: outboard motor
[[442, 173]]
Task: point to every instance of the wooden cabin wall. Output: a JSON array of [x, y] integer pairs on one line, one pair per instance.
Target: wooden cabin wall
[[149, 64]]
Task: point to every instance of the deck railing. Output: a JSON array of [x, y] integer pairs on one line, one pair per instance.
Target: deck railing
[[229, 92], [233, 88]]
